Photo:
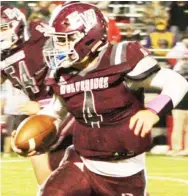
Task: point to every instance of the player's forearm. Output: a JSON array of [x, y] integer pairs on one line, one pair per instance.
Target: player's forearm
[[173, 88], [55, 109], [171, 84]]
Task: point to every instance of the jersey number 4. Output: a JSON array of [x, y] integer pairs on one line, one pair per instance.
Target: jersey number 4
[[89, 111], [26, 81]]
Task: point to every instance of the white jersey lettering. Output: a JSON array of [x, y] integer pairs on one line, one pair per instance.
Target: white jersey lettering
[[85, 85]]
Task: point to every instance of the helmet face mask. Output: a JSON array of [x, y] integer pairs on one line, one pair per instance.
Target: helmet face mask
[[63, 53], [7, 35], [79, 30]]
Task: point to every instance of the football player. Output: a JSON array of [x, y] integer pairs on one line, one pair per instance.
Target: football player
[[97, 83], [22, 63]]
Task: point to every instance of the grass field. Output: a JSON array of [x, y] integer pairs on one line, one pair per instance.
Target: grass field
[[168, 176]]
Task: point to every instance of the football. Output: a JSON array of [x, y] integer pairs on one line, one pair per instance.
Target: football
[[36, 132]]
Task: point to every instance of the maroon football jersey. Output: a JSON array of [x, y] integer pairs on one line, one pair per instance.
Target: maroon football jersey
[[103, 104], [25, 67]]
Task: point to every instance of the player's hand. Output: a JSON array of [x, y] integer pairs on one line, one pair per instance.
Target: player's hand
[[29, 107], [56, 143], [143, 121], [19, 151]]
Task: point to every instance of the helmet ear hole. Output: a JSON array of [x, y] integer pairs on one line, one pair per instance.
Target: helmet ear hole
[[20, 31], [89, 42]]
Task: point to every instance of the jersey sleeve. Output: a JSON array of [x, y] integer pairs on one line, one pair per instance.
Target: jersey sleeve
[[139, 60], [55, 108]]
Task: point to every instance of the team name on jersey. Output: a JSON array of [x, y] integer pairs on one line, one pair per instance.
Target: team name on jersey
[[85, 85], [12, 59]]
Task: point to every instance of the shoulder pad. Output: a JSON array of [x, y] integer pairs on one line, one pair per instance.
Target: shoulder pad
[[134, 53], [143, 69], [118, 54], [37, 30], [129, 52]]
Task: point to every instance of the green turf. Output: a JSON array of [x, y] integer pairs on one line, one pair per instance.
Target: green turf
[[167, 177], [17, 178]]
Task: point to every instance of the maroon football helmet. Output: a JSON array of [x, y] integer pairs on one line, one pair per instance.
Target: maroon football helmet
[[78, 29], [13, 28]]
